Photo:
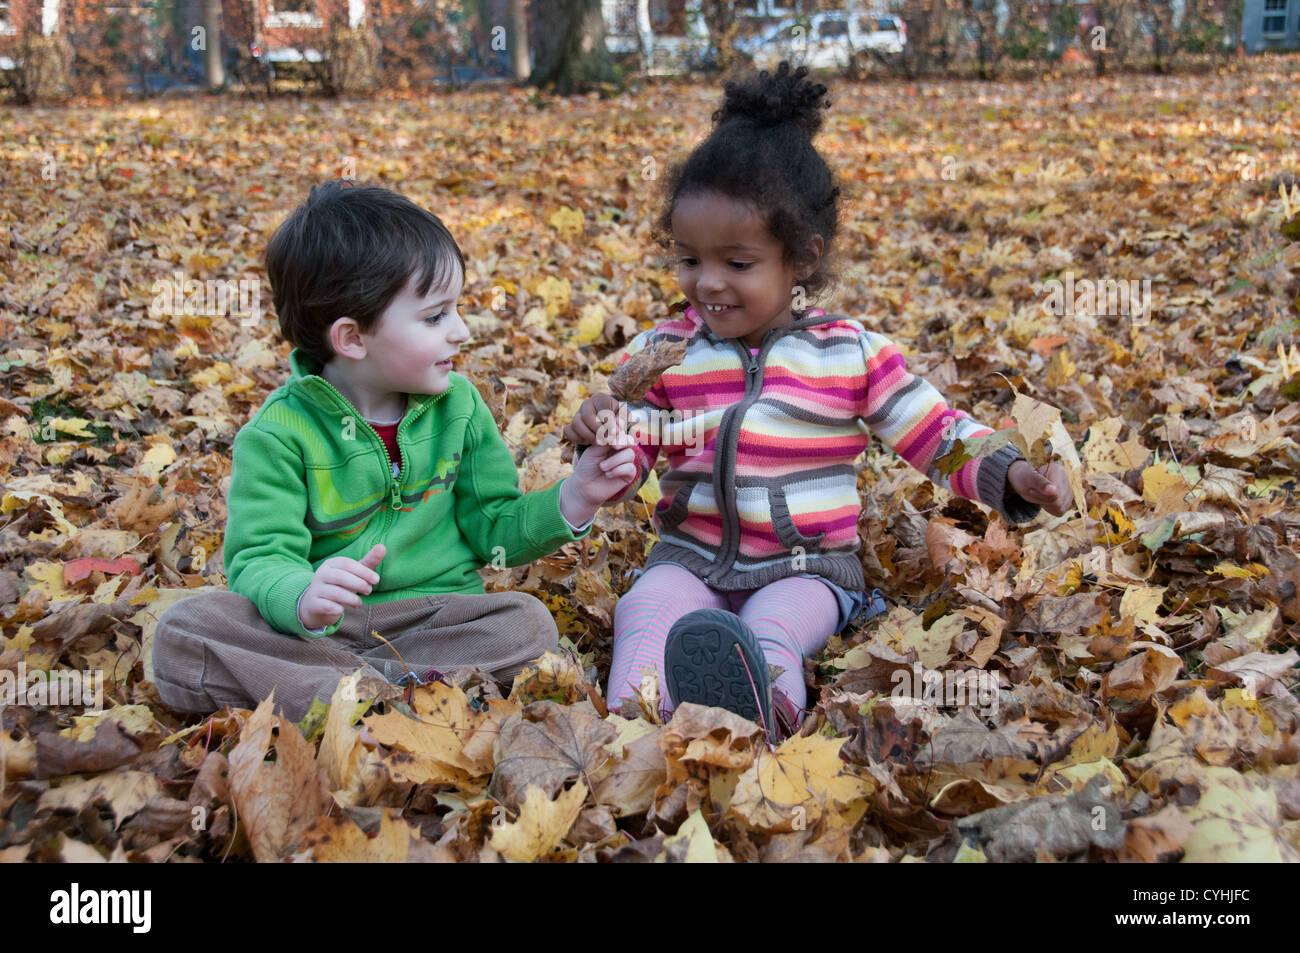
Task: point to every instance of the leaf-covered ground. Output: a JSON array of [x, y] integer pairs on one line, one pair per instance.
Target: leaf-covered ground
[[1140, 657]]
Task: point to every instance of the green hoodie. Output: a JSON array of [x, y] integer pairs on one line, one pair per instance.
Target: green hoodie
[[311, 479]]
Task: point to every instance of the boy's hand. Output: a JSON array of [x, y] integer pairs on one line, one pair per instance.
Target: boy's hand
[[599, 474], [595, 422], [336, 583], [1050, 488]]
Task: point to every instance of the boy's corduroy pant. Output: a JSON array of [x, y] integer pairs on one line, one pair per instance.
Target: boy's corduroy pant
[[215, 649]]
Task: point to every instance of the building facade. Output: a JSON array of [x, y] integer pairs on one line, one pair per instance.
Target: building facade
[[1271, 24]]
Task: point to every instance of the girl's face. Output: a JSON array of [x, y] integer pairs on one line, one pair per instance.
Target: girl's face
[[730, 266]]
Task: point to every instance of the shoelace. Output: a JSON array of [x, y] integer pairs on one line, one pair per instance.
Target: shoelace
[[762, 723], [432, 675]]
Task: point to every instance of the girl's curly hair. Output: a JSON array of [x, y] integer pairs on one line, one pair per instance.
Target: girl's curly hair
[[760, 152]]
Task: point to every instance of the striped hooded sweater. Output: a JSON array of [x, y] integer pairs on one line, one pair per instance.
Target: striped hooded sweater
[[761, 482]]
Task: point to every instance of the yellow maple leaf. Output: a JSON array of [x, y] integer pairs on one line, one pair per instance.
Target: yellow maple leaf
[[795, 786], [16, 498], [591, 324], [1038, 423], [156, 459], [556, 294], [650, 493], [74, 426], [1165, 487], [905, 629], [436, 741], [47, 577], [568, 222], [338, 839], [1060, 368], [1232, 571], [1143, 603], [1236, 819], [541, 825], [696, 842]]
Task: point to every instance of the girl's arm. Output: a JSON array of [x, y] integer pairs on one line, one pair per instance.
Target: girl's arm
[[604, 420], [911, 417]]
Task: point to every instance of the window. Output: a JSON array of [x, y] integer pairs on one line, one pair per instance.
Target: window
[[831, 28], [1275, 17]]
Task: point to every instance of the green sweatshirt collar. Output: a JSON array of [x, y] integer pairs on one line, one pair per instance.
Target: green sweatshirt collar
[[305, 380]]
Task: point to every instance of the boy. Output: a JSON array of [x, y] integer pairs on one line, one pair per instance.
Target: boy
[[369, 489]]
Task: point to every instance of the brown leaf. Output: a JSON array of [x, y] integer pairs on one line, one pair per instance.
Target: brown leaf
[[56, 632], [1259, 672], [338, 840], [635, 376], [1051, 826], [706, 750], [1157, 838], [112, 746], [547, 745], [1140, 676], [276, 800], [126, 792], [630, 785]]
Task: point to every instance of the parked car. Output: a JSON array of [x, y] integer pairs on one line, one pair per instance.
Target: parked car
[[830, 39]]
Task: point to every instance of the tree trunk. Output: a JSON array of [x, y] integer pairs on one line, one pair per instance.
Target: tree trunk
[[720, 18], [519, 60], [212, 65], [571, 53], [644, 34]]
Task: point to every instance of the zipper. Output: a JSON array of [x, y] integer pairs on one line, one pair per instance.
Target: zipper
[[394, 483], [728, 509], [725, 461]]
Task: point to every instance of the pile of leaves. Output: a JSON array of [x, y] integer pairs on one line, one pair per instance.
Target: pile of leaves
[[1133, 663]]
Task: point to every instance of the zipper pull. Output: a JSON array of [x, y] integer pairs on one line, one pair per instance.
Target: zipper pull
[[753, 363], [395, 495]]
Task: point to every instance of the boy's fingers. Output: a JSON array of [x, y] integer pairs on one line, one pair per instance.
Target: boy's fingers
[[618, 460], [342, 595], [354, 578]]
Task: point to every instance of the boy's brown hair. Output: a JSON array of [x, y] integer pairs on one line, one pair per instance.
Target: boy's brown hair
[[347, 252]]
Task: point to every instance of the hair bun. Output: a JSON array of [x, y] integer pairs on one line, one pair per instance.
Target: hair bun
[[770, 100]]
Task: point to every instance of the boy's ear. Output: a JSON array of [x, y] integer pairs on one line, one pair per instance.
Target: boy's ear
[[345, 338]]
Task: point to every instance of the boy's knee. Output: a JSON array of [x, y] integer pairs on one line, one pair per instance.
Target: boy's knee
[[179, 650], [532, 621]]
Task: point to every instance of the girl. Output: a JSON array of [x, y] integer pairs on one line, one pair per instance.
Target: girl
[[757, 561]]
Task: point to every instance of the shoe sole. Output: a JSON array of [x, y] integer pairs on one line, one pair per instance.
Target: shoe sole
[[703, 666]]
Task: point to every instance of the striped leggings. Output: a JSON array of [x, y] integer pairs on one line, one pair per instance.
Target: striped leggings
[[791, 618]]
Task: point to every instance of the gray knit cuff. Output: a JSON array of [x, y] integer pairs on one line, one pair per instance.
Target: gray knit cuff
[[991, 483]]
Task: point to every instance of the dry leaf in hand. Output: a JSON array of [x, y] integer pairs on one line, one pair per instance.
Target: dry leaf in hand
[[638, 374]]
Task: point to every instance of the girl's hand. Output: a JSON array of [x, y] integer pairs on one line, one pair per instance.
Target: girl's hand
[[600, 474], [597, 423], [338, 582], [1049, 488]]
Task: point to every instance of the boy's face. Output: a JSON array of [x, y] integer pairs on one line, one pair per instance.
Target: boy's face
[[411, 347], [727, 256]]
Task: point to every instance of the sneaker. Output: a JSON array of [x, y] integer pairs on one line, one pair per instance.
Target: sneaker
[[712, 658]]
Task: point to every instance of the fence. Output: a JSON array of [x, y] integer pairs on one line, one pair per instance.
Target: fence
[[155, 45]]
